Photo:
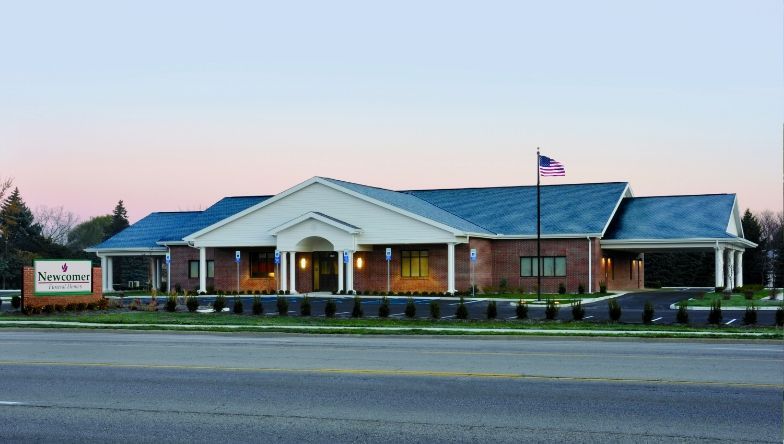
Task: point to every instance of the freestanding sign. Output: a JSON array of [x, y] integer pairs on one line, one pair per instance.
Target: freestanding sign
[[168, 272], [388, 254], [237, 260], [62, 277], [473, 263], [473, 255], [277, 257], [168, 258], [237, 256]]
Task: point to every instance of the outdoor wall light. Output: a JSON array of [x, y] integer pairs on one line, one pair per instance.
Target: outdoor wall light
[[360, 263], [303, 263]]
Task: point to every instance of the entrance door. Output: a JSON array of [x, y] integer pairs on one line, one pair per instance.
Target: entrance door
[[325, 271]]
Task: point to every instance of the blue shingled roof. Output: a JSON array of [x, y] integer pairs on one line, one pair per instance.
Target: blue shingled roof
[[173, 226], [412, 203], [673, 217], [566, 209]]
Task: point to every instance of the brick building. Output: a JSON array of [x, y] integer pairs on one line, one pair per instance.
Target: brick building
[[325, 234]]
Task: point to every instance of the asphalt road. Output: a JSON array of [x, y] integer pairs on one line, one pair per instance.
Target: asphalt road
[[90, 386]]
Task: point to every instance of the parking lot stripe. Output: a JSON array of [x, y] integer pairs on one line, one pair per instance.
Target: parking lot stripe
[[466, 303], [588, 317], [654, 320], [730, 321]]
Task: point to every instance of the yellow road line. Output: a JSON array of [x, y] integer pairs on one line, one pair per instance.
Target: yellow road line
[[393, 372]]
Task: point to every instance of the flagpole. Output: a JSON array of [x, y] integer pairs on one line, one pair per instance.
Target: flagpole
[[538, 231]]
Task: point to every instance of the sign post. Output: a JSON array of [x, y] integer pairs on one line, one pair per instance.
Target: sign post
[[237, 260], [388, 254], [168, 272], [277, 268], [473, 265]]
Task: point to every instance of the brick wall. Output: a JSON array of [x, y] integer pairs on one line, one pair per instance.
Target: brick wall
[[30, 300], [373, 276], [622, 270]]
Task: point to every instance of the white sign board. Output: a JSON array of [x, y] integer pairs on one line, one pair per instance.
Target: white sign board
[[55, 277], [473, 255], [389, 254], [237, 256]]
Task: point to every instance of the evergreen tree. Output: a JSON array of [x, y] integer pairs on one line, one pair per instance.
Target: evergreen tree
[[753, 262], [20, 237], [119, 220]]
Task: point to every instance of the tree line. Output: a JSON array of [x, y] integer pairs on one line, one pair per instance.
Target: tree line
[[26, 235]]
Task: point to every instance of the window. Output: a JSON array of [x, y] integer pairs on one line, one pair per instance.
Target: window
[[551, 266], [262, 264], [193, 269], [414, 263]]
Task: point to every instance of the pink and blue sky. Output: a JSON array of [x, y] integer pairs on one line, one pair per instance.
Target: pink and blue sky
[[173, 105]]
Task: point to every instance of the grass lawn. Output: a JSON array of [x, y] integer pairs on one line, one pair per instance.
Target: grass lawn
[[736, 300], [214, 321]]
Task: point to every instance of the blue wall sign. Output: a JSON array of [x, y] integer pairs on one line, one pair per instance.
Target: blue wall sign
[[473, 255], [389, 254], [277, 257]]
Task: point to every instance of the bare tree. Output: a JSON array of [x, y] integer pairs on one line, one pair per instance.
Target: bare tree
[[55, 223], [5, 185]]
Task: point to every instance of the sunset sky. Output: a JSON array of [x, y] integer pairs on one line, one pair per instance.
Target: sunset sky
[[173, 105]]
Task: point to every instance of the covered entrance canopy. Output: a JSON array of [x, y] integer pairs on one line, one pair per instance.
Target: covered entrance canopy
[[683, 224]]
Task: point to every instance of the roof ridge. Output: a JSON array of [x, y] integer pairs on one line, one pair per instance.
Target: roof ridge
[[177, 212], [512, 186], [683, 195]]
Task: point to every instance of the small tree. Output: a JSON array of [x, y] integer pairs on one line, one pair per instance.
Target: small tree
[[171, 304], [581, 289], [462, 311], [219, 303], [603, 287], [750, 315], [714, 315], [550, 310], [780, 316], [283, 306], [578, 311], [682, 317], [492, 310], [257, 308], [614, 309], [330, 308], [238, 308], [503, 286], [647, 313], [356, 311], [383, 308], [561, 288], [410, 308], [304, 306], [521, 310], [435, 309], [16, 302]]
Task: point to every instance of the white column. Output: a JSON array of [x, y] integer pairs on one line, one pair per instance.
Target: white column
[[104, 273], [719, 268], [283, 263], [730, 269], [109, 273], [203, 269], [739, 268], [293, 272], [350, 272], [450, 268], [340, 271]]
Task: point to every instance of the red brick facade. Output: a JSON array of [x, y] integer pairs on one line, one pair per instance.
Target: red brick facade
[[496, 260], [30, 300]]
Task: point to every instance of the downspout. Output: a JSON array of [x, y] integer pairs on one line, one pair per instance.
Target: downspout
[[590, 266]]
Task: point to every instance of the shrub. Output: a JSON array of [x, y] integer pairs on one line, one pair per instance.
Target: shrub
[[171, 304], [330, 308], [750, 315], [503, 286], [726, 295], [578, 311], [383, 308], [647, 313], [178, 288], [192, 303], [410, 308], [561, 288], [16, 301], [219, 303], [435, 309], [521, 310], [304, 306], [780, 316], [210, 290], [714, 315], [602, 287], [238, 307], [749, 294], [718, 289], [257, 308], [489, 290], [462, 311], [283, 306], [581, 289], [356, 310], [551, 310], [682, 317], [773, 292], [342, 292], [492, 310], [614, 309]]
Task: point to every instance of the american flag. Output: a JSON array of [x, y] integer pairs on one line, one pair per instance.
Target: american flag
[[550, 167]]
